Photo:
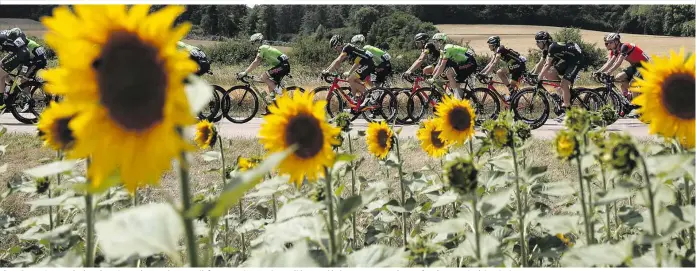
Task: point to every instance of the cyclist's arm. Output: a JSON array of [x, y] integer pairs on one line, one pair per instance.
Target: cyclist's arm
[[255, 64], [440, 67], [491, 63], [617, 63], [337, 61], [609, 63], [418, 62], [547, 64], [540, 64], [354, 67]]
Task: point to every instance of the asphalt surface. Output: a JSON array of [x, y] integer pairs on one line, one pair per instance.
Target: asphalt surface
[[250, 129]]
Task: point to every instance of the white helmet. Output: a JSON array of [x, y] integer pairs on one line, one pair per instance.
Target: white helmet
[[258, 37], [439, 37], [359, 38], [612, 37]]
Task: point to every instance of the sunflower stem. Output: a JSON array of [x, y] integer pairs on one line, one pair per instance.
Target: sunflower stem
[[241, 220], [135, 203], [50, 220], [687, 180], [653, 219], [352, 176], [582, 202], [275, 208], [89, 220], [329, 203], [590, 208], [520, 211], [607, 209], [211, 241], [403, 191], [224, 183], [476, 227], [186, 204]]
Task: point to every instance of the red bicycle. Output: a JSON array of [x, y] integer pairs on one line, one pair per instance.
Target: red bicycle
[[497, 100], [381, 103]]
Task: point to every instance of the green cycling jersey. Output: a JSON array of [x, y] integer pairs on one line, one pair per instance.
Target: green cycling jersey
[[456, 53], [180, 45], [271, 56], [376, 54], [32, 46]]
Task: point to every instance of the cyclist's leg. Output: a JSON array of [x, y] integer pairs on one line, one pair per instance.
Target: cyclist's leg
[[503, 75], [382, 72], [625, 78], [428, 70], [356, 80], [10, 63], [569, 76], [516, 72]]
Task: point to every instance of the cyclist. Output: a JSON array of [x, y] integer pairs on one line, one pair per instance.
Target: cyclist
[[618, 52], [429, 54], [280, 66], [515, 64], [197, 55], [363, 66], [13, 41], [380, 57], [37, 58], [559, 58], [456, 61]]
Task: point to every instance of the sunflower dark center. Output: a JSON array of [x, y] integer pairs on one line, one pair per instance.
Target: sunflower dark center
[[62, 131], [382, 138], [206, 133], [305, 131], [459, 119], [678, 95], [435, 138], [132, 81]]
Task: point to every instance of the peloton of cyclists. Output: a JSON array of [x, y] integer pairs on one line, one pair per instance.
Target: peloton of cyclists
[[380, 57], [22, 52]]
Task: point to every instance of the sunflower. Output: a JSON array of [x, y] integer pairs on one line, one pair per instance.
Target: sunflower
[[299, 121], [566, 145], [206, 134], [245, 164], [379, 139], [122, 67], [667, 96], [53, 126], [457, 120], [429, 136]]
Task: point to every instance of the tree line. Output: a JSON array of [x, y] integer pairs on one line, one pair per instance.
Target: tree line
[[286, 22]]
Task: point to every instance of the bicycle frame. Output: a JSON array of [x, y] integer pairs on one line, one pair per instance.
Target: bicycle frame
[[335, 87]]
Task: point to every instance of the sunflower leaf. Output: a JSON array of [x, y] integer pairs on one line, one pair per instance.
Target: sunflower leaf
[[240, 184], [143, 231], [378, 256], [669, 166], [51, 168], [3, 130], [352, 204], [597, 255], [211, 156], [297, 256], [495, 202]]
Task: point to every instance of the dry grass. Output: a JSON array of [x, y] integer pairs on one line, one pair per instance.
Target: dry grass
[[521, 37]]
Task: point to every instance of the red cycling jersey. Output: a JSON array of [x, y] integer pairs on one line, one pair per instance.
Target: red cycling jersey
[[633, 53]]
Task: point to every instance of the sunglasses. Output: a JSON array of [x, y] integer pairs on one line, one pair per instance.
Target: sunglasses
[[606, 43]]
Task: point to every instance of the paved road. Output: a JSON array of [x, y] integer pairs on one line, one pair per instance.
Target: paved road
[[251, 128]]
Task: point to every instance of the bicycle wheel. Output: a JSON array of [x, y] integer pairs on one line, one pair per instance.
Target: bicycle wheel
[[404, 105], [586, 99], [243, 104], [211, 111], [487, 105], [335, 104], [387, 107], [424, 100], [531, 106], [611, 98], [28, 101]]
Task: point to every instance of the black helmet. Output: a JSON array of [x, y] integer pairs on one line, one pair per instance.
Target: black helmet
[[336, 40], [383, 46], [542, 36], [494, 40], [421, 37]]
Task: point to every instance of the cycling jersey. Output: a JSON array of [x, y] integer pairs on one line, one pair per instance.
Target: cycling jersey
[[197, 55], [456, 54], [272, 56], [378, 55], [508, 55], [565, 51], [354, 53], [13, 41], [186, 47], [632, 53], [432, 51], [36, 51]]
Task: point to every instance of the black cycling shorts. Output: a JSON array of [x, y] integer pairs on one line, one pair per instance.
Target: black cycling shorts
[[365, 69], [516, 70], [279, 71], [632, 71], [569, 70], [35, 65], [383, 70], [464, 70], [14, 59]]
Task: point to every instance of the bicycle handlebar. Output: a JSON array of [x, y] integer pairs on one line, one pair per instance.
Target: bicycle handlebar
[[484, 79], [246, 79], [329, 77]]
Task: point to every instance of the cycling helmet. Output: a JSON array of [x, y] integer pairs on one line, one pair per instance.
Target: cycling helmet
[[359, 39], [494, 40], [14, 33], [421, 37], [440, 37], [383, 46], [258, 37], [336, 40], [542, 36], [612, 37]]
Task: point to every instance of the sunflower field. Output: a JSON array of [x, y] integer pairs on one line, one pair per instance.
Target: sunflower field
[[304, 204]]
